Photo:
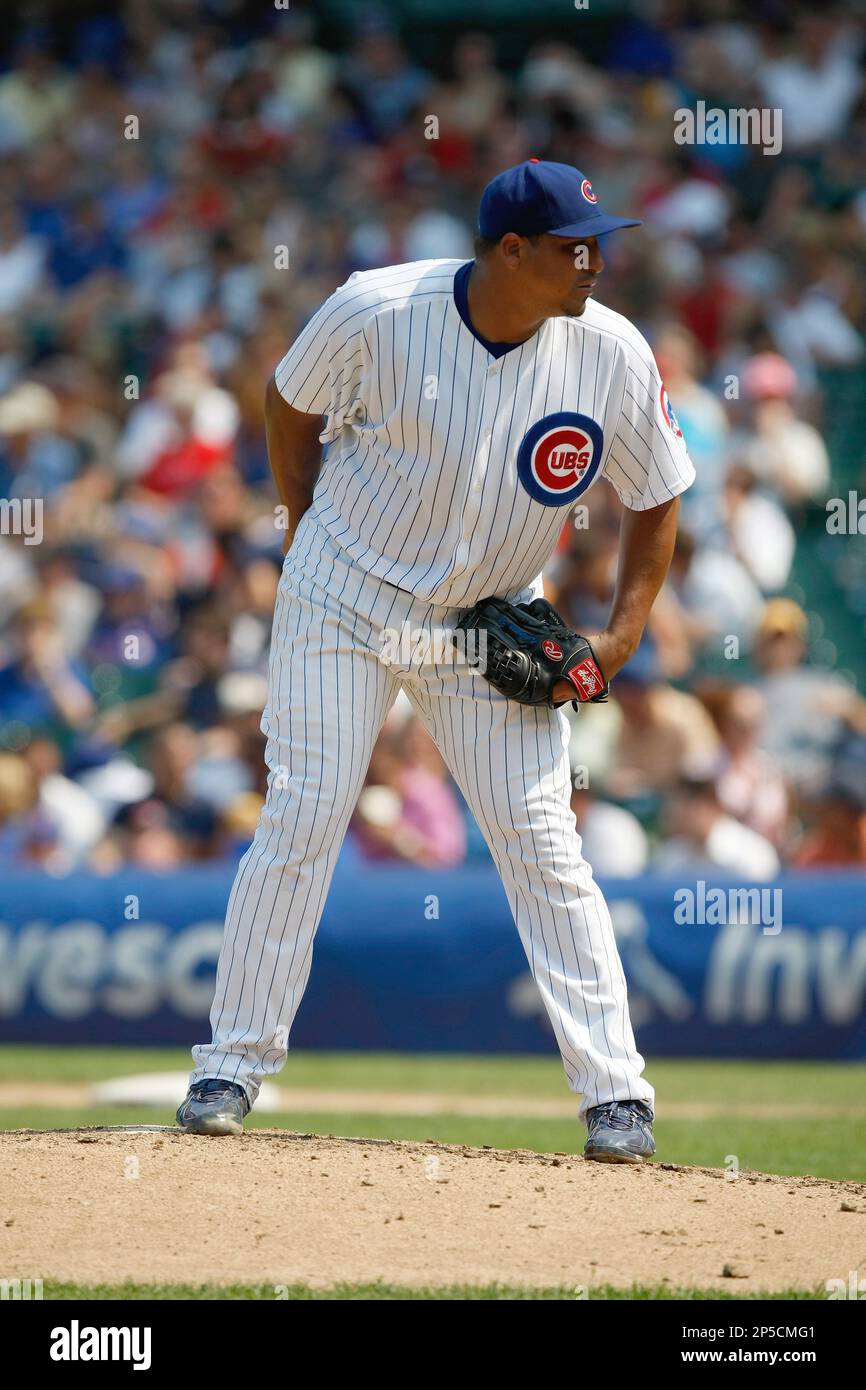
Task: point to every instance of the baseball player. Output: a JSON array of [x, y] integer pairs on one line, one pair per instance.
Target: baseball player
[[465, 408]]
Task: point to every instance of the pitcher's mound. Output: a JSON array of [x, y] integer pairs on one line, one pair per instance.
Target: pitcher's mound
[[151, 1205]]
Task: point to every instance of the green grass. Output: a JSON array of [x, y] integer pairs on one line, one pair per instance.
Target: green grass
[[823, 1083], [366, 1292], [825, 1146], [460, 1075]]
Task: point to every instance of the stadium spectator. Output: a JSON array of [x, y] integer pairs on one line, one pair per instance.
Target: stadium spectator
[[703, 838], [760, 535], [702, 420], [36, 96], [171, 803], [76, 820], [837, 839], [35, 459], [22, 262], [750, 786], [661, 731], [379, 74], [27, 835], [820, 58], [784, 453], [712, 594], [40, 688], [613, 840], [807, 709], [407, 810]]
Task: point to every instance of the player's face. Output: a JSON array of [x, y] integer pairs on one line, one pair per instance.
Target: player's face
[[562, 272]]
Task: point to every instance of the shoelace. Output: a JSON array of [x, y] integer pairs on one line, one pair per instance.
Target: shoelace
[[214, 1085], [618, 1115]]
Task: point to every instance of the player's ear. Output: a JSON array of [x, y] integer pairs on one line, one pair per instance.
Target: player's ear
[[512, 249]]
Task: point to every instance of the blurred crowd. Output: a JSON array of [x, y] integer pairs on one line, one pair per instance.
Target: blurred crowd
[[179, 192]]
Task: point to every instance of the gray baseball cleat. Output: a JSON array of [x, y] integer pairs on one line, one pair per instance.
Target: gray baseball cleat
[[214, 1106], [620, 1132]]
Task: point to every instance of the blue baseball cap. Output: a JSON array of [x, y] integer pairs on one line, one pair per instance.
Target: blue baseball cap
[[540, 196]]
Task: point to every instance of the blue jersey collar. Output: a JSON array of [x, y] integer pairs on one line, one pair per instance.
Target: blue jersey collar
[[461, 300]]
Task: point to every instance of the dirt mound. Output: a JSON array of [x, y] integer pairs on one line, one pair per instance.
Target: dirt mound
[[156, 1206]]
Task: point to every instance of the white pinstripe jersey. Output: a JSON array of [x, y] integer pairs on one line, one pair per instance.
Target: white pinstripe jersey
[[449, 470]]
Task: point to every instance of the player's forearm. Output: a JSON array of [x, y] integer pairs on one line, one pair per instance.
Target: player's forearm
[[646, 547], [294, 454]]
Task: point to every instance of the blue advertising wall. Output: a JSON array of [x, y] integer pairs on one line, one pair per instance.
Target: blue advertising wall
[[432, 962]]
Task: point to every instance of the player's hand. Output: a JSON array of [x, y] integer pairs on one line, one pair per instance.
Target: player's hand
[[612, 652]]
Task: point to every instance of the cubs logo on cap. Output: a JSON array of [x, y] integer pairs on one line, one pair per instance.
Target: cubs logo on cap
[[668, 412], [586, 190], [559, 457]]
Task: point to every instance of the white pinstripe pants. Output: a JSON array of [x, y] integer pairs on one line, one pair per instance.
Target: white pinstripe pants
[[329, 693]]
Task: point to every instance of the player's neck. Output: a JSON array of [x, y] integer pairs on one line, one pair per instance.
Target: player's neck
[[492, 318]]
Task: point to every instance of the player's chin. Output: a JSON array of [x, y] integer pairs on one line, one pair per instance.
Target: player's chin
[[576, 302]]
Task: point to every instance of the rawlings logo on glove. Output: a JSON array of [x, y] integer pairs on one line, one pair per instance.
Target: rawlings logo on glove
[[528, 649]]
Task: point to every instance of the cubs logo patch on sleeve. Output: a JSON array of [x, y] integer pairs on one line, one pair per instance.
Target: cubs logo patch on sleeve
[[668, 415]]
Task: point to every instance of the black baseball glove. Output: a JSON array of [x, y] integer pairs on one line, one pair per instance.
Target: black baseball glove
[[525, 648]]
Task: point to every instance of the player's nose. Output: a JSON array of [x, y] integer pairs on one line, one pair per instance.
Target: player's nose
[[596, 259]]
